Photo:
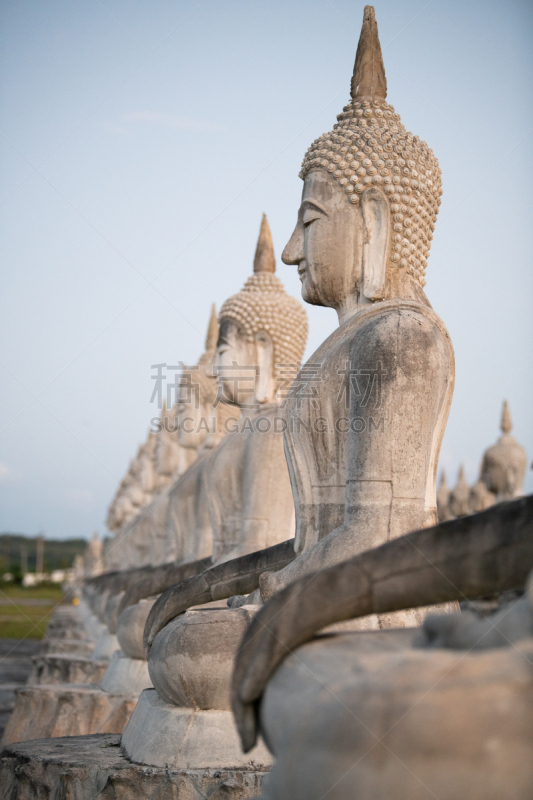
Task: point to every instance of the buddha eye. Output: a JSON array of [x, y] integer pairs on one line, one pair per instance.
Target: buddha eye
[[310, 215]]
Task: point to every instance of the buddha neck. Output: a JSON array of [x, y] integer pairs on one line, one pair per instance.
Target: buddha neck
[[350, 306]]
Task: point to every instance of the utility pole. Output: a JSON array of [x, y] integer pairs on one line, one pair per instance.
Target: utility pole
[[39, 561]]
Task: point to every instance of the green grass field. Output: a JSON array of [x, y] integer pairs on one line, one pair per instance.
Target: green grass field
[[19, 620]]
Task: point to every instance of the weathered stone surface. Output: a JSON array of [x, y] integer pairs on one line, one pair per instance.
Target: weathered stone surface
[[161, 735], [90, 621], [94, 768], [76, 647], [240, 576], [126, 675], [363, 449], [66, 710], [71, 631], [105, 646], [15, 667], [191, 659], [53, 668], [131, 628], [460, 496], [64, 616], [366, 715], [474, 556], [249, 495], [157, 580]]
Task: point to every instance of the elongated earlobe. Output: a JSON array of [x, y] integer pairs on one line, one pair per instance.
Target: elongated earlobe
[[376, 219], [264, 385]]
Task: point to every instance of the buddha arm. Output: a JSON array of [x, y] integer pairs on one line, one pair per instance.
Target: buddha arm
[[469, 557], [399, 399], [106, 594], [112, 582], [157, 579], [239, 576]]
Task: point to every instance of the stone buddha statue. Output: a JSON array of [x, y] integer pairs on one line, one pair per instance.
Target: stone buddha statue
[[171, 459], [384, 379], [156, 530], [505, 463], [460, 495], [146, 539], [365, 418], [149, 540], [442, 711], [443, 500], [125, 505], [261, 329], [480, 498], [368, 713], [223, 505], [115, 516], [134, 494], [251, 509], [93, 562]]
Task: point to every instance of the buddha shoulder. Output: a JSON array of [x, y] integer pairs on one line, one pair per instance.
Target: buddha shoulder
[[399, 332]]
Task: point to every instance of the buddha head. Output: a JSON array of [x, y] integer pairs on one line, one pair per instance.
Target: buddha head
[[261, 328], [460, 496], [370, 199], [199, 422], [504, 464]]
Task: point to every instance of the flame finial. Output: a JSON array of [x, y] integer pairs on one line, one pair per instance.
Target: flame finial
[[368, 80], [506, 424], [212, 330], [264, 260]]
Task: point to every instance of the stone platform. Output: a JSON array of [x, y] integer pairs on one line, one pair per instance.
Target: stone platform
[[60, 710], [126, 674], [77, 647], [163, 735], [15, 667], [55, 668], [94, 768]]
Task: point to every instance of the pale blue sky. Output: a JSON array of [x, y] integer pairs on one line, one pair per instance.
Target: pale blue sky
[[140, 143]]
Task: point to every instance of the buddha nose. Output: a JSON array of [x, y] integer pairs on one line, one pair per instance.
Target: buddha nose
[[294, 251]]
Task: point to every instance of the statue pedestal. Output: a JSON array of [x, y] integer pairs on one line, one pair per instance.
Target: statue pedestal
[[75, 647], [66, 710], [106, 645], [49, 768], [130, 628], [163, 735], [55, 668], [126, 675], [61, 708], [378, 715], [63, 696]]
